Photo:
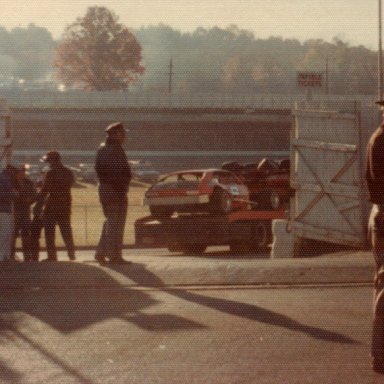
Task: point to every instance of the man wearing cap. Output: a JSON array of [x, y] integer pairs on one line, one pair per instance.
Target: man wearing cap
[[56, 195], [114, 174], [375, 182]]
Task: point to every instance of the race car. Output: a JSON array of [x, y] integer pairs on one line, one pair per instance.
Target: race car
[[268, 182], [215, 191]]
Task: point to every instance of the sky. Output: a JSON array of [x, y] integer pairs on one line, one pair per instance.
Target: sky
[[353, 21]]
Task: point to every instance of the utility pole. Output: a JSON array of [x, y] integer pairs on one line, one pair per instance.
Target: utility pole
[[380, 59], [170, 74]]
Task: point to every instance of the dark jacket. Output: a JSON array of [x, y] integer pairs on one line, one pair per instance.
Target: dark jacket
[[112, 166], [7, 192], [374, 173], [56, 189], [27, 195]]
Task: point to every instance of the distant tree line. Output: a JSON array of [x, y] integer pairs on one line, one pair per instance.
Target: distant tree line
[[26, 53], [214, 60], [233, 60]]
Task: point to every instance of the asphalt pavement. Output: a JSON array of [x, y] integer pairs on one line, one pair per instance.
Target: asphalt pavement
[[216, 267]]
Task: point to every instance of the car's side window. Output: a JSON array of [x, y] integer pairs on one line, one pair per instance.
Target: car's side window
[[170, 179], [189, 177]]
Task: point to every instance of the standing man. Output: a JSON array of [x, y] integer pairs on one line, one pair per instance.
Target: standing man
[[8, 193], [22, 212], [375, 181], [56, 195], [114, 174]]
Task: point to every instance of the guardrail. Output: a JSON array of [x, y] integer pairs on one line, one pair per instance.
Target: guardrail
[[77, 99]]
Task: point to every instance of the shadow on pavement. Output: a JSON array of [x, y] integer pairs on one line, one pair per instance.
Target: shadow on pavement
[[86, 294], [9, 329], [70, 296], [83, 295], [8, 375], [248, 311]]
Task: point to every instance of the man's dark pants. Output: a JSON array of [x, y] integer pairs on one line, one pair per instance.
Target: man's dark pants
[[115, 208], [36, 227], [63, 220], [23, 228]]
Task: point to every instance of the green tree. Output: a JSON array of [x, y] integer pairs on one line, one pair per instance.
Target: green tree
[[98, 53]]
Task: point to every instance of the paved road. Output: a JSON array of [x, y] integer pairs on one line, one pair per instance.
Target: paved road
[[158, 267], [117, 334]]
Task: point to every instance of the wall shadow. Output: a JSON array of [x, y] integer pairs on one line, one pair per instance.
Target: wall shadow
[[143, 276], [71, 296], [69, 307]]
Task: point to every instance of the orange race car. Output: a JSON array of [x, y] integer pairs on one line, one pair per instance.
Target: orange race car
[[216, 191]]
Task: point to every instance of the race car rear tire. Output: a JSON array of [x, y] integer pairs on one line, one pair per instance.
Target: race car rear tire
[[262, 200], [259, 240], [262, 235], [221, 202]]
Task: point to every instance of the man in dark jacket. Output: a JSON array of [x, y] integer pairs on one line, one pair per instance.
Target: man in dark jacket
[[114, 174], [56, 195], [375, 181], [22, 213], [8, 193]]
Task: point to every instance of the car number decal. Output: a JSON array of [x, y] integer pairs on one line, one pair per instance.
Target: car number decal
[[234, 189]]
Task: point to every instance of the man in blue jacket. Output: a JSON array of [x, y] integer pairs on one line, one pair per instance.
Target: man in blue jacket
[[114, 174]]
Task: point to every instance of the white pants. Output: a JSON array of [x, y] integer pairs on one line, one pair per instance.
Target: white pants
[[6, 233]]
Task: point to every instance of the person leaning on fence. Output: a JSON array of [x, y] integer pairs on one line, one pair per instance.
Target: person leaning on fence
[[55, 195], [114, 174], [375, 182]]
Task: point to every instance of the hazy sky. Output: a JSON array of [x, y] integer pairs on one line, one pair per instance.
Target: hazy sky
[[354, 21]]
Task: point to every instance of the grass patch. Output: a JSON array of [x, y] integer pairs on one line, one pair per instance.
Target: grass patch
[[88, 218]]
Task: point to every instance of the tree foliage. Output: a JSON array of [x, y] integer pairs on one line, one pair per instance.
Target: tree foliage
[[207, 60], [233, 60], [98, 53], [26, 53]]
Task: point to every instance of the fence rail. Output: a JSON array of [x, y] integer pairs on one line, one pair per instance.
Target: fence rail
[[77, 99]]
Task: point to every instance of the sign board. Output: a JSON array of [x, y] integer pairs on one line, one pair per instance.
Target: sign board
[[310, 79]]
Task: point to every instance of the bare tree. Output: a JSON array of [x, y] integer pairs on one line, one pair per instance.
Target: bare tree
[[98, 53]]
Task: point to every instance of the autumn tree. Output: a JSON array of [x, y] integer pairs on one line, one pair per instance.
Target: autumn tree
[[98, 53]]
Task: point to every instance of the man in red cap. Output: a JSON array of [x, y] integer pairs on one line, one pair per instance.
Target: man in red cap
[[56, 194], [375, 182], [114, 174]]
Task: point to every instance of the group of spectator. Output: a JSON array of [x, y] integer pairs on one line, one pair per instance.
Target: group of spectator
[[27, 210]]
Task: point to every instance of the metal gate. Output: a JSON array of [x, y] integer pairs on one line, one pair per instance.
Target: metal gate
[[327, 156]]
